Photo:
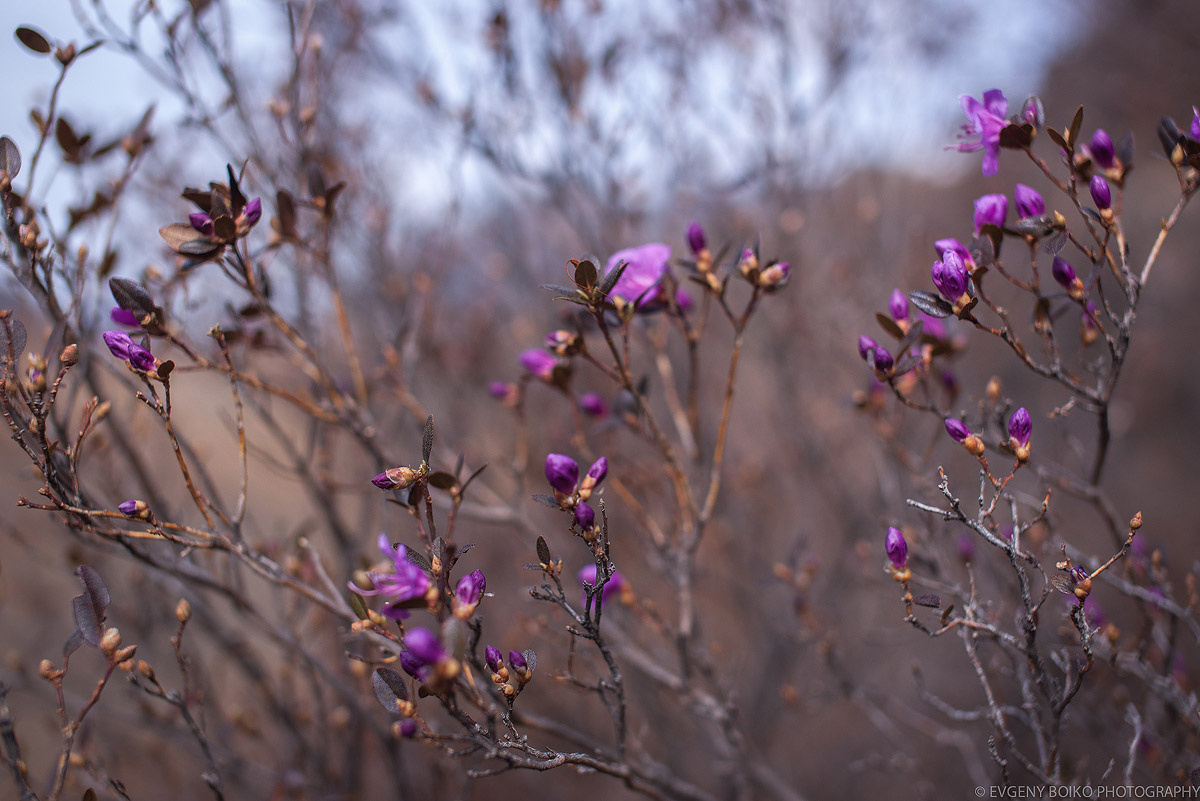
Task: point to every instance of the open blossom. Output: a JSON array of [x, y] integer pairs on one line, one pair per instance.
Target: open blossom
[[407, 582], [1029, 201], [990, 210], [645, 268], [897, 548], [982, 129], [125, 348]]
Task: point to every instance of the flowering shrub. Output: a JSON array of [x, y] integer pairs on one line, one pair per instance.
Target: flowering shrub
[[590, 566]]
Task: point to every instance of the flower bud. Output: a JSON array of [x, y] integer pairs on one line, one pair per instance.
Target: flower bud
[[1101, 194], [1029, 202], [1020, 428], [898, 306], [866, 345], [136, 509], [696, 239], [69, 355], [539, 363], [585, 516], [110, 641], [950, 276], [897, 548], [491, 656], [595, 475], [1194, 128], [396, 478], [1089, 332], [561, 472], [883, 363], [468, 593], [990, 210], [48, 671], [592, 404], [183, 611], [563, 343], [1101, 148], [1065, 275], [775, 277]]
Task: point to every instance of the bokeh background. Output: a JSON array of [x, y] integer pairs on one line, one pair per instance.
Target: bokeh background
[[484, 144]]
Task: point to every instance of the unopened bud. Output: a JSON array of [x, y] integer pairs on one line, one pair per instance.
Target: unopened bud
[[1136, 522], [124, 656], [993, 389], [47, 670], [111, 641], [145, 669], [69, 355], [183, 611]]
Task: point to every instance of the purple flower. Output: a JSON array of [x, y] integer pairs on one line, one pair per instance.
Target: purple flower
[[425, 647], [935, 328], [408, 728], [585, 516], [125, 348], [1063, 272], [957, 429], [950, 276], [645, 267], [683, 299], [128, 508], [587, 575], [1020, 427], [562, 472], [593, 404], [539, 363], [503, 391], [897, 548], [695, 238], [1101, 194], [406, 583], [491, 656], [982, 129], [866, 345], [413, 666], [1194, 128], [1029, 201], [125, 317], [470, 587], [1101, 149], [898, 306], [990, 210]]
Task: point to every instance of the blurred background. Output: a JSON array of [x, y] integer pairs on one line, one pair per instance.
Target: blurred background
[[485, 143]]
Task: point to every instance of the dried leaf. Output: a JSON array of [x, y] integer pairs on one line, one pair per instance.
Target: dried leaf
[[889, 325], [611, 277], [931, 304], [543, 551], [14, 339], [358, 606], [930, 599], [131, 296], [1073, 131], [427, 439], [390, 687], [10, 157], [545, 500], [33, 39], [585, 274], [442, 480], [1057, 138]]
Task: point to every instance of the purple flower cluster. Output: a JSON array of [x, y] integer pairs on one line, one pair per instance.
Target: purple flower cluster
[[562, 473], [407, 582], [139, 357]]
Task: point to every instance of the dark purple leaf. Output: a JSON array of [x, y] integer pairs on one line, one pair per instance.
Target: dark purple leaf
[[889, 325], [931, 304], [546, 500], [543, 551], [13, 342], [10, 157], [33, 39], [1073, 131], [131, 296], [427, 439]]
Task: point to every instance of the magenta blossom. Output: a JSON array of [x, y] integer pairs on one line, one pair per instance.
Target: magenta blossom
[[407, 582], [645, 267], [982, 129]]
